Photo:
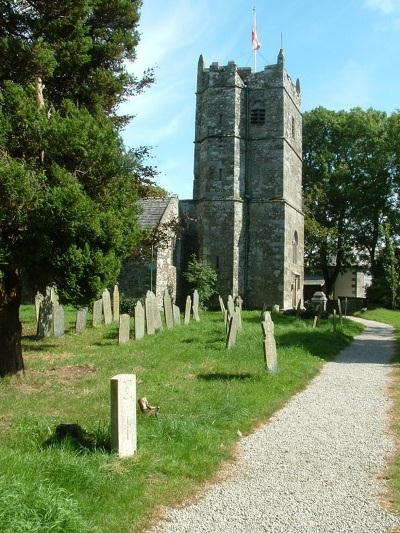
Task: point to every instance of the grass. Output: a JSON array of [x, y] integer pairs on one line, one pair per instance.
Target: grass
[[206, 395], [392, 317]]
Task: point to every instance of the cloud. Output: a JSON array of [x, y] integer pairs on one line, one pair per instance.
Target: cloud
[[384, 6]]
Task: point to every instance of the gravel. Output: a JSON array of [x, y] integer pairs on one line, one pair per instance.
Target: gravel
[[315, 466]]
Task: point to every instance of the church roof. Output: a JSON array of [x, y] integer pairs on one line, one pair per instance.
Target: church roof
[[153, 210]]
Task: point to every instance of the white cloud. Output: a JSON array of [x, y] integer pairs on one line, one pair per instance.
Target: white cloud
[[385, 6]]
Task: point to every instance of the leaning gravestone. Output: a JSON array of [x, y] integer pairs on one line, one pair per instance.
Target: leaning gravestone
[[116, 304], [149, 310], [123, 415], [177, 315], [124, 328], [38, 300], [270, 355], [45, 322], [169, 321], [139, 321], [107, 307], [196, 315], [238, 315], [81, 319], [232, 331], [221, 304], [97, 313], [58, 320], [231, 306], [188, 308]]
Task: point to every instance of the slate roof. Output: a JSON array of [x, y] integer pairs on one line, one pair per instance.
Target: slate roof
[[153, 210]]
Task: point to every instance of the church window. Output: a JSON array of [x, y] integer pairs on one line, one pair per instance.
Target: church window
[[257, 114], [295, 247]]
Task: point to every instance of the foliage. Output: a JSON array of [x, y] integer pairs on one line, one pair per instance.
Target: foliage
[[127, 304], [205, 394], [350, 187], [201, 276]]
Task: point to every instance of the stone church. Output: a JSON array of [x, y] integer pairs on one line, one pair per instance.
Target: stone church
[[246, 215]]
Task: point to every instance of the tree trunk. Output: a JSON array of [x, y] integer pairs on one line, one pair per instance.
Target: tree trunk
[[11, 361]]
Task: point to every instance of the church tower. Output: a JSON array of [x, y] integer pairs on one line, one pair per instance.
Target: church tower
[[248, 181]]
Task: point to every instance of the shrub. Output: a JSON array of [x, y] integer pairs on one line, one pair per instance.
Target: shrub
[[201, 276]]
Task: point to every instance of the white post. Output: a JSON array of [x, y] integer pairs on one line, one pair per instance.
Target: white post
[[123, 414]]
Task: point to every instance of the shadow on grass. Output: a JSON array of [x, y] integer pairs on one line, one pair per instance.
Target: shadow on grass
[[37, 348], [80, 440], [225, 377], [323, 344]]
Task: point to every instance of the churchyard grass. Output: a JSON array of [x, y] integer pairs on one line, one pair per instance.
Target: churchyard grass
[[207, 396], [392, 317]]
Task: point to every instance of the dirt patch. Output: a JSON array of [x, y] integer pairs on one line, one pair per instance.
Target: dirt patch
[[65, 373]]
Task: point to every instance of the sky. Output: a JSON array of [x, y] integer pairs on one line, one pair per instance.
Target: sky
[[346, 53]]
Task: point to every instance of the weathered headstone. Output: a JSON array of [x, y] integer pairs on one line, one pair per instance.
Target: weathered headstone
[[275, 309], [158, 325], [334, 320], [232, 331], [54, 295], [238, 314], [97, 313], [81, 319], [222, 305], [45, 322], [124, 328], [38, 300], [177, 315], [266, 317], [188, 308], [149, 310], [169, 321], [139, 321], [238, 301], [230, 305], [116, 304], [315, 323], [226, 317], [107, 307], [195, 306], [270, 355], [123, 414], [58, 320]]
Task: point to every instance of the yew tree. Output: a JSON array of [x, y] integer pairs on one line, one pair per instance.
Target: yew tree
[[68, 188]]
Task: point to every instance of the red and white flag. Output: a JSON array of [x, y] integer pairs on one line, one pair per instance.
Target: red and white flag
[[256, 45]]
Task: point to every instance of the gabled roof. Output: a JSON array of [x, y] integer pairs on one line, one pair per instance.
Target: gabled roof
[[153, 210]]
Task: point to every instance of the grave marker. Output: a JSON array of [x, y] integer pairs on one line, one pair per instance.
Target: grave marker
[[270, 355], [81, 319], [238, 315], [156, 312], [315, 323], [38, 300], [58, 320], [232, 331], [123, 414], [196, 306], [116, 303], [107, 307], [124, 328], [188, 308], [275, 308], [169, 321], [97, 313], [334, 320], [177, 315], [139, 321], [230, 305], [149, 309], [45, 322], [222, 305]]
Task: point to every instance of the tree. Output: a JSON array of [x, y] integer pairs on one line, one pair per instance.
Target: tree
[[201, 276], [68, 188], [349, 186]]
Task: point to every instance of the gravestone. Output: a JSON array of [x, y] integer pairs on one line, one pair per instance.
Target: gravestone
[[158, 326], [266, 317], [275, 309], [222, 305], [45, 322], [81, 319], [188, 309], [195, 306], [169, 321], [107, 307], [54, 295], [238, 315], [232, 332], [238, 301], [334, 320], [340, 311], [116, 304], [230, 305], [123, 414], [124, 328], [226, 317], [97, 313], [149, 310], [58, 320], [270, 355], [315, 323], [177, 315], [38, 300], [139, 321]]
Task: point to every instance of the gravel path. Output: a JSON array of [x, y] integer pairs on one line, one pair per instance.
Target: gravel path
[[313, 467]]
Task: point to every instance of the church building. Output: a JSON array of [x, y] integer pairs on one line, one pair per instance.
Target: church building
[[246, 215]]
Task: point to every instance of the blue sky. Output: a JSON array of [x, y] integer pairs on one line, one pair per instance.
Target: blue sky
[[345, 52]]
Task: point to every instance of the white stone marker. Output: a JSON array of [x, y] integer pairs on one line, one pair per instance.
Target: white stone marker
[[38, 302], [123, 414], [188, 308], [124, 328], [107, 307], [195, 306], [116, 304]]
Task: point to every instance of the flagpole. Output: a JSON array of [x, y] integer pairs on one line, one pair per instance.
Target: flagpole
[[255, 50]]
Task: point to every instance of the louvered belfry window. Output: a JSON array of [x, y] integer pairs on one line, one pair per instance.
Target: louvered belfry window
[[257, 114]]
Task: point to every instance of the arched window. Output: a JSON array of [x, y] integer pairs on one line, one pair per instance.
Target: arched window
[[257, 114], [295, 247]]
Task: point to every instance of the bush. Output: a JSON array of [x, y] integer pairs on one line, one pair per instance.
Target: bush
[[201, 276], [127, 304]]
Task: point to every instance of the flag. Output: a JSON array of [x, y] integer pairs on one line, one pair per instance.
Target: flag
[[256, 45]]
